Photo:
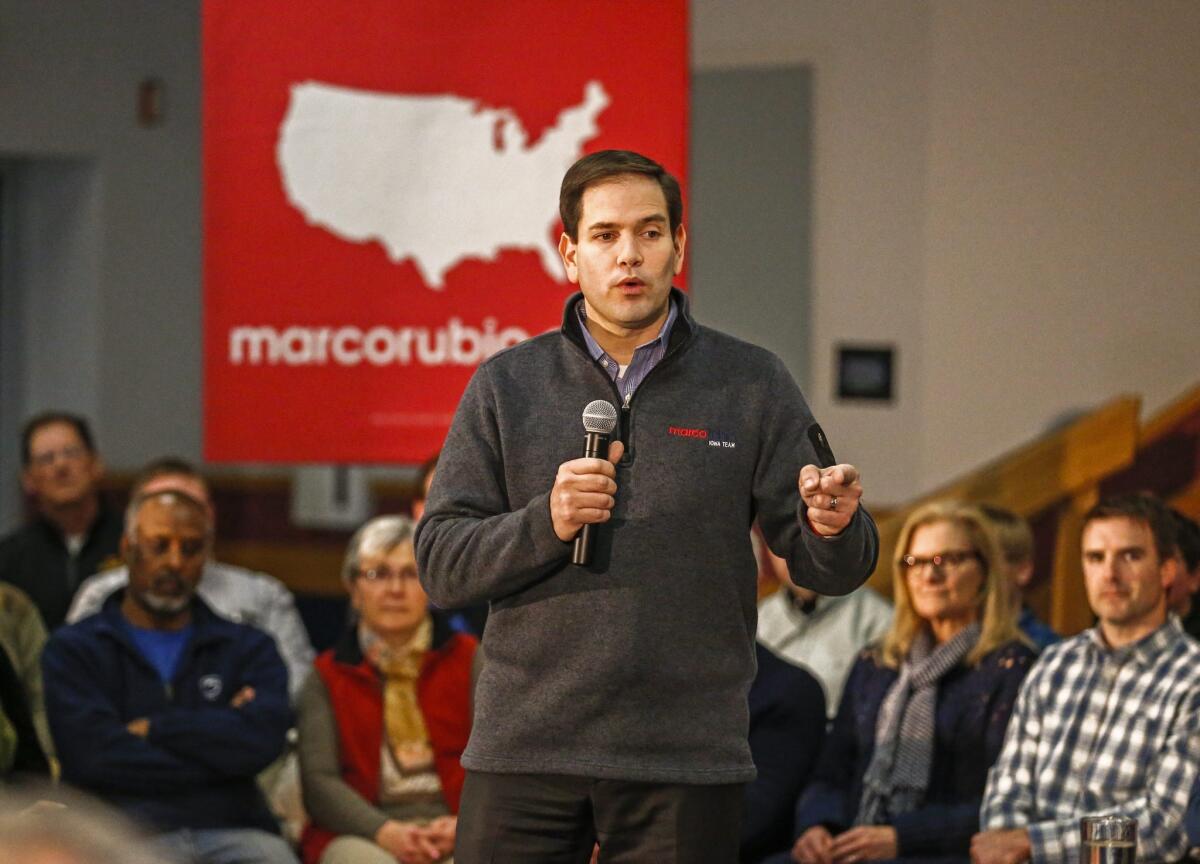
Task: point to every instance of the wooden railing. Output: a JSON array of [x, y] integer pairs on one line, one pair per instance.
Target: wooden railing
[[1180, 418]]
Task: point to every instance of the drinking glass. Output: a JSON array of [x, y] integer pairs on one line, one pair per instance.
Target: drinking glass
[[1108, 840]]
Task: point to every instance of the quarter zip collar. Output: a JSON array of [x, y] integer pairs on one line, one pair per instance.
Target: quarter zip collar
[[682, 332]]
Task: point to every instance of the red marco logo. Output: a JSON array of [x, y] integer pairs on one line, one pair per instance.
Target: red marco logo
[[680, 432]]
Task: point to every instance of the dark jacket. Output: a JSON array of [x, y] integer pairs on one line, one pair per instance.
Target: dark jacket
[[355, 691], [973, 707], [35, 559], [787, 731], [197, 767], [637, 667]]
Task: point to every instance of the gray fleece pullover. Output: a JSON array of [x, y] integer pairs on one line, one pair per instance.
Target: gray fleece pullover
[[637, 667]]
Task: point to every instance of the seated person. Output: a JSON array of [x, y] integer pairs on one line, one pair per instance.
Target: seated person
[[25, 745], [1109, 720], [74, 531], [923, 715], [386, 716], [787, 729], [822, 634], [1016, 542], [232, 592], [164, 710], [1181, 597], [40, 824]]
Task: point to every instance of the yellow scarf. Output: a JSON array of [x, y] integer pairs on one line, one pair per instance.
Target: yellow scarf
[[402, 721]]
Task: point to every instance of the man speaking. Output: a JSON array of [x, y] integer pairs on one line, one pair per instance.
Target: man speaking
[[612, 706]]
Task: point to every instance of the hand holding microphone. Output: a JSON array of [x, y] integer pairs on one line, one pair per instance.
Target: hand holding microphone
[[584, 489]]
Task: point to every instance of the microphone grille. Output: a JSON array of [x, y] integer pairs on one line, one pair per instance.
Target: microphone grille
[[600, 417]]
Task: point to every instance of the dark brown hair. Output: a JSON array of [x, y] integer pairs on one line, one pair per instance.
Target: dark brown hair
[[1140, 507], [48, 418], [1187, 537], [597, 167]]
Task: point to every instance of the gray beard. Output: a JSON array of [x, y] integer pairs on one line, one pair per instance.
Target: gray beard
[[162, 606]]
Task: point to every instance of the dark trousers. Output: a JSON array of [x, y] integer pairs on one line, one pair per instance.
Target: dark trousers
[[556, 819]]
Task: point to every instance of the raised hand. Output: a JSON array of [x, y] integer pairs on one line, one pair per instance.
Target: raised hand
[[831, 495]]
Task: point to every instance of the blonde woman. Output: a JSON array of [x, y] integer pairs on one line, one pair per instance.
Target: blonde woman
[[923, 715]]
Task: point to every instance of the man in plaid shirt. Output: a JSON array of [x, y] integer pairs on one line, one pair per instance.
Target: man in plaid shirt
[[1109, 721]]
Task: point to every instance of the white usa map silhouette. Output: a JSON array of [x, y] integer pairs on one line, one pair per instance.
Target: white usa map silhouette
[[438, 179]]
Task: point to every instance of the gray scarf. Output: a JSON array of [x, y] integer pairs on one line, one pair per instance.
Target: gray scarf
[[898, 775]]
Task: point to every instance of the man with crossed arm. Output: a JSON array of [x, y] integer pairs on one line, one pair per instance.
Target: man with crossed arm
[[1107, 722], [165, 710]]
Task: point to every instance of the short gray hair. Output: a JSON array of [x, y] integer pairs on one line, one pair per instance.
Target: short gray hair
[[377, 537]]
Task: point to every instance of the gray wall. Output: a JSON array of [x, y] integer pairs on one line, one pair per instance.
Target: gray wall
[[750, 206], [103, 243]]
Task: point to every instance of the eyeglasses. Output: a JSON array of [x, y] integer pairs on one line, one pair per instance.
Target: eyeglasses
[[951, 559], [72, 453], [384, 575]]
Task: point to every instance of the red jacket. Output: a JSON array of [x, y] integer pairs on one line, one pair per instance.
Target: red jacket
[[356, 694]]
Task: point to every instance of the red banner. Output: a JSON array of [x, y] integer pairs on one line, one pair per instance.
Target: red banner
[[381, 196]]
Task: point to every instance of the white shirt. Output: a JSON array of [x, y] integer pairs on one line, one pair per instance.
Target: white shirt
[[825, 641]]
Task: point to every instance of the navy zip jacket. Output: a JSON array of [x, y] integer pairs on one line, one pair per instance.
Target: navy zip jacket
[[197, 766], [973, 707], [637, 667]]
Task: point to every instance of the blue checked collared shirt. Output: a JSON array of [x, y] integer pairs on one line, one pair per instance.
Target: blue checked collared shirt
[[1099, 731], [645, 357]]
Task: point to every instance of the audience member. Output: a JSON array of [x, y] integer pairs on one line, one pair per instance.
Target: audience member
[[73, 533], [1109, 721], [1016, 542], [468, 619], [787, 729], [240, 595], [385, 718], [162, 708], [1182, 597], [25, 744], [44, 825], [822, 634], [923, 715]]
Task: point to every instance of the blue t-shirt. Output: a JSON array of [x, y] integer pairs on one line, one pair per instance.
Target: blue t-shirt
[[162, 648]]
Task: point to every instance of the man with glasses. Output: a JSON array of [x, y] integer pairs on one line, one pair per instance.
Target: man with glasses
[[1107, 722], [165, 710], [73, 533]]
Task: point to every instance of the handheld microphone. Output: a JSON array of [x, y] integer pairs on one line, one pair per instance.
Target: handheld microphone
[[599, 420]]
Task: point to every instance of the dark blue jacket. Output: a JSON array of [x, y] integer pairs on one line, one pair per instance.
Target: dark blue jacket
[[197, 766], [787, 729], [973, 707]]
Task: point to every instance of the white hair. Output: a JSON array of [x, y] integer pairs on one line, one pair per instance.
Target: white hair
[[377, 537]]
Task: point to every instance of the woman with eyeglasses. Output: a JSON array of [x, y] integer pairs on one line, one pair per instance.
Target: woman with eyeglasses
[[385, 716], [923, 714]]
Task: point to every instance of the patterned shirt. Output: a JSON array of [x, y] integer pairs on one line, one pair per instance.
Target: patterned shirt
[[645, 357], [1100, 731]]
